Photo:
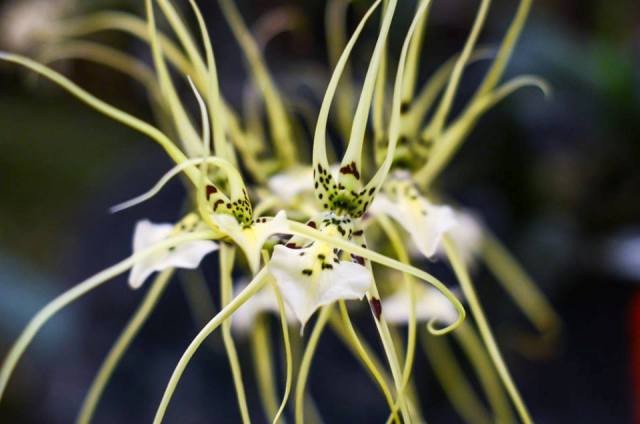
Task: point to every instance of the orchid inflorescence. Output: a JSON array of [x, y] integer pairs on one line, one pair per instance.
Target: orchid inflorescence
[[308, 231]]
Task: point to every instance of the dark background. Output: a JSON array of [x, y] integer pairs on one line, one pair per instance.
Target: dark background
[[556, 179]]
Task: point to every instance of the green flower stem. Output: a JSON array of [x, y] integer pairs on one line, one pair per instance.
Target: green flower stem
[[305, 365], [440, 116], [256, 284], [348, 334], [506, 49], [73, 294], [121, 345], [452, 378], [398, 246], [262, 351], [286, 340], [490, 381], [485, 331], [227, 254], [335, 24], [392, 358]]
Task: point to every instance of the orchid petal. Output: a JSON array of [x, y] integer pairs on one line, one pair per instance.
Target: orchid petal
[[186, 255], [314, 276]]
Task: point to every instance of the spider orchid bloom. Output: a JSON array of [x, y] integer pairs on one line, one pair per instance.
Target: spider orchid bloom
[[425, 222], [187, 255], [430, 304], [315, 274], [264, 301]]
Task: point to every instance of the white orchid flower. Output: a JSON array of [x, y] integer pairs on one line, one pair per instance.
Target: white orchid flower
[[425, 222], [430, 304], [251, 237], [264, 301], [315, 275], [186, 255]]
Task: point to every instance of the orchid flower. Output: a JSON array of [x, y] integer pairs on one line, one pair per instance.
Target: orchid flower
[[301, 226], [425, 222], [316, 274]]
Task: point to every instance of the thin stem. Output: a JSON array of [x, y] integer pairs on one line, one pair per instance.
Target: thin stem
[[121, 345], [258, 282], [227, 254], [287, 349], [403, 256], [350, 337], [472, 346], [262, 351], [305, 365], [485, 331]]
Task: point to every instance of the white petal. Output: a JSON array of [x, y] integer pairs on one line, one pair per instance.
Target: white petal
[[251, 238], [289, 184], [430, 303], [186, 255], [305, 293], [426, 223], [146, 234]]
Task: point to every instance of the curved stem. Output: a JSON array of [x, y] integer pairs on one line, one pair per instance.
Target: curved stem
[[485, 331], [262, 352], [305, 365], [403, 256], [287, 349], [227, 254], [472, 346], [258, 282], [349, 335], [121, 345]]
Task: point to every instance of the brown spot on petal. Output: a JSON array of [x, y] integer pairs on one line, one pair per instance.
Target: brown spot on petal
[[210, 190], [351, 169]]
